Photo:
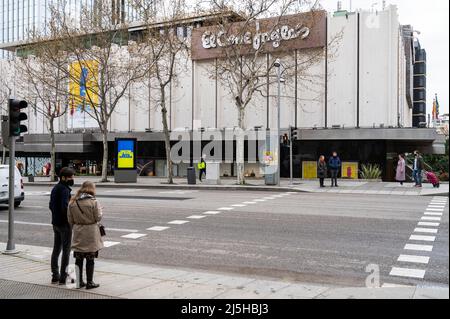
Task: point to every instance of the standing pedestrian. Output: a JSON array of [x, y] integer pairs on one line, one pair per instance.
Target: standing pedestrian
[[417, 169], [400, 174], [59, 200], [202, 168], [334, 164], [84, 214], [322, 170]]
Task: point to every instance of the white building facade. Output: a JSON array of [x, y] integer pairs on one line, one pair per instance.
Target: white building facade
[[356, 99]]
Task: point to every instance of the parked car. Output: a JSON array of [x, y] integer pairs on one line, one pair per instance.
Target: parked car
[[19, 194]]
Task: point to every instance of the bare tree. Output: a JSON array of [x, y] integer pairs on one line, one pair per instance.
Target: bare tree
[[104, 57], [40, 79], [242, 68], [167, 45]]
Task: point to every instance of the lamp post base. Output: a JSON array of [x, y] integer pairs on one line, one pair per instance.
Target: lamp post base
[[10, 252]]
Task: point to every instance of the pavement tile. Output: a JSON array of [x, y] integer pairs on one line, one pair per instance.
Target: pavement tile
[[296, 291], [106, 278], [239, 294], [368, 293], [168, 274], [40, 277], [265, 287], [431, 293], [121, 287], [198, 277], [198, 291], [231, 282], [131, 270], [160, 290]]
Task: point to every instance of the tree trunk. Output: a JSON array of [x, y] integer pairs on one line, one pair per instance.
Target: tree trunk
[[166, 137], [240, 148], [105, 155], [53, 150]]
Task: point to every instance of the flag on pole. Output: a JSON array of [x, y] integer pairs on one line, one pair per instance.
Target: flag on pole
[[437, 107], [434, 109]]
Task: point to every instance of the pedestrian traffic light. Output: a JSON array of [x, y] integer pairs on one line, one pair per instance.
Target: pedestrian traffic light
[[16, 116], [294, 135]]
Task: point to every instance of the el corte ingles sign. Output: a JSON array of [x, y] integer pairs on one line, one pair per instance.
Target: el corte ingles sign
[[293, 32]]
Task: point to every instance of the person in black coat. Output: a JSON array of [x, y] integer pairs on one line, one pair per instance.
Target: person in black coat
[[59, 201], [322, 170]]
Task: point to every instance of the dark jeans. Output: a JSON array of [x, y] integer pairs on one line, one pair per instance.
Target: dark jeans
[[417, 175], [62, 241], [334, 174], [202, 171]]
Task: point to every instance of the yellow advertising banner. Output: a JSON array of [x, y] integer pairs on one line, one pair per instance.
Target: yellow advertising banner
[[349, 170], [309, 169], [83, 85]]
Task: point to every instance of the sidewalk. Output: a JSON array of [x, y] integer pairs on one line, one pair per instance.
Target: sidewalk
[[30, 269], [253, 184]]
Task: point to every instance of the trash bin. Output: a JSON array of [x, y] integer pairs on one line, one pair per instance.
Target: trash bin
[[270, 179], [31, 179], [191, 176]]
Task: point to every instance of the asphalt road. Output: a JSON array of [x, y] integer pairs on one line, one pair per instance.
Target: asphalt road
[[310, 238]]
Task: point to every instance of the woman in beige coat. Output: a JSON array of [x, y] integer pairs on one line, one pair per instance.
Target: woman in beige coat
[[84, 214]]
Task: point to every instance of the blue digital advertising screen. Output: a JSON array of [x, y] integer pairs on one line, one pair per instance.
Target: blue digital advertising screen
[[126, 153]]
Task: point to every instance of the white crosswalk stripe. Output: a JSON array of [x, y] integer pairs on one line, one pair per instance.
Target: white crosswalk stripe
[[196, 216], [107, 243], [133, 236], [414, 259], [407, 272], [211, 212], [431, 218], [178, 222], [426, 230], [422, 238], [428, 224], [418, 247], [158, 228]]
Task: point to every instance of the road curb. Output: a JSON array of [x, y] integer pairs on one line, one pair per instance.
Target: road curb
[[184, 187]]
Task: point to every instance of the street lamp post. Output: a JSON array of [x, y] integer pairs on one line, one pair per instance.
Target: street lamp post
[[277, 64]]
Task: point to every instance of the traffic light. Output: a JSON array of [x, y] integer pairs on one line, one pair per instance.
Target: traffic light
[[16, 116], [294, 135]]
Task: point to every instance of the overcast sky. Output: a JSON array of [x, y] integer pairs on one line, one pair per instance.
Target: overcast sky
[[431, 18]]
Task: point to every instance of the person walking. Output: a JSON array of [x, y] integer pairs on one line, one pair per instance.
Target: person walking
[[84, 214], [59, 200], [322, 170], [334, 164], [202, 168], [400, 174], [417, 169]]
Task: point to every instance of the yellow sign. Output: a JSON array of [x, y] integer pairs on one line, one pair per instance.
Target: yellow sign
[[309, 169], [126, 159], [349, 170], [83, 85]]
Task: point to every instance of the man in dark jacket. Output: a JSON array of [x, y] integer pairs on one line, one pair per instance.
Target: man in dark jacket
[[417, 169], [334, 165], [59, 201]]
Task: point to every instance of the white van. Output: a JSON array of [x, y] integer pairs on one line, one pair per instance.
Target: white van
[[19, 194]]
